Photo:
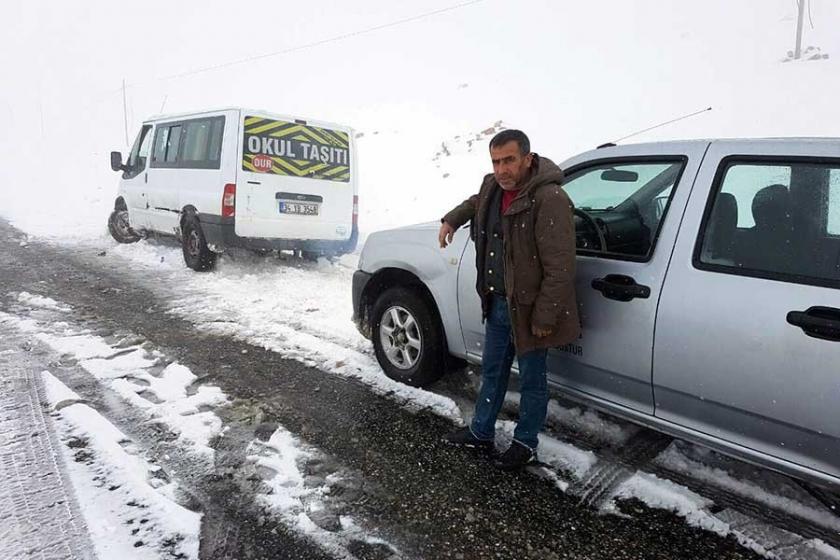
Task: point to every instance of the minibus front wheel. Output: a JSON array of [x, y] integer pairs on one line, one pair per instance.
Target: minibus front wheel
[[119, 227]]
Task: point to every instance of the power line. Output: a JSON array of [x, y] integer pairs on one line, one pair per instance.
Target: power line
[[108, 93], [125, 113], [316, 43]]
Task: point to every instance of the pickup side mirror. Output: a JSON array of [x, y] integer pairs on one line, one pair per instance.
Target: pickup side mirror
[[116, 162]]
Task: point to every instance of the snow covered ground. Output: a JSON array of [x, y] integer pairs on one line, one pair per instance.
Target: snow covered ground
[[301, 310], [126, 367], [301, 505], [569, 83], [129, 512], [114, 482], [248, 298], [128, 505]]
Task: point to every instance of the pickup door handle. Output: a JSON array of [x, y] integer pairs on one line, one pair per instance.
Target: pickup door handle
[[620, 287], [818, 322]]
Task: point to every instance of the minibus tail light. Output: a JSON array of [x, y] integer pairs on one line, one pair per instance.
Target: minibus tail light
[[229, 201]]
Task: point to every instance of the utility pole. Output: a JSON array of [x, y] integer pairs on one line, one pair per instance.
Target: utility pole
[[798, 52], [125, 115]]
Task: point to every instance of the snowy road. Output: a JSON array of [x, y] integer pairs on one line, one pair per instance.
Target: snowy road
[[247, 416], [35, 490]]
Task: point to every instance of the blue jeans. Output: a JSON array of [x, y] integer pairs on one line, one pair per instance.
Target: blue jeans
[[497, 360]]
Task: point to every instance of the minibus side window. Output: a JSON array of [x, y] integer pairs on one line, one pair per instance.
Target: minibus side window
[[173, 144], [201, 143], [139, 153]]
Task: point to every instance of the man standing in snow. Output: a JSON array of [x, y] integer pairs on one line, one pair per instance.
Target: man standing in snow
[[523, 227]]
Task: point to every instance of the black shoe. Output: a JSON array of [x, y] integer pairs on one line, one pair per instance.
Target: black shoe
[[517, 456], [464, 438]]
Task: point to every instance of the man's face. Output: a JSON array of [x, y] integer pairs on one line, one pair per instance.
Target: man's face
[[509, 166]]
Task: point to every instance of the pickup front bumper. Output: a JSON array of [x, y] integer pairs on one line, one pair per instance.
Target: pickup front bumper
[[360, 312]]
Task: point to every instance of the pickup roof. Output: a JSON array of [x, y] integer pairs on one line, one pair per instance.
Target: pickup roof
[[708, 282]]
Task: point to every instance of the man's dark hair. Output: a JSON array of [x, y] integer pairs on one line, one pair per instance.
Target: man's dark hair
[[517, 136]]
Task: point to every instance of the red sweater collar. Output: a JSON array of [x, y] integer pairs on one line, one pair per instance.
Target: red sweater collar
[[507, 198]]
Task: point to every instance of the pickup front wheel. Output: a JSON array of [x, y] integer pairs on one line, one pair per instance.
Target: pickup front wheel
[[407, 337]]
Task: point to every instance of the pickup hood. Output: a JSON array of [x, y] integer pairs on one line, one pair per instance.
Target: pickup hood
[[434, 226], [414, 247], [415, 233]]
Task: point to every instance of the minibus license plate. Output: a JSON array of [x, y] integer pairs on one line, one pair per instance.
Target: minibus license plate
[[298, 208]]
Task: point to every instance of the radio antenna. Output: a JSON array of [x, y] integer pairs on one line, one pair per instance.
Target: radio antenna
[[663, 124], [125, 115]]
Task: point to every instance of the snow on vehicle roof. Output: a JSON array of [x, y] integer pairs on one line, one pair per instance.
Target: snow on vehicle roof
[[261, 112], [737, 140]]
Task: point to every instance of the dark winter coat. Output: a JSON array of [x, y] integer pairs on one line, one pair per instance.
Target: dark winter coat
[[539, 241]]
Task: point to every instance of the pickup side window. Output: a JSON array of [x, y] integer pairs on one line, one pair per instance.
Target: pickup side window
[[834, 203], [626, 201], [774, 219]]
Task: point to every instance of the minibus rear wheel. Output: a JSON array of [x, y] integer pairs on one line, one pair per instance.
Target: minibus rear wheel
[[197, 254]]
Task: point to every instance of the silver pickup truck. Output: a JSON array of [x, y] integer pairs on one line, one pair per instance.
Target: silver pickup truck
[[708, 283]]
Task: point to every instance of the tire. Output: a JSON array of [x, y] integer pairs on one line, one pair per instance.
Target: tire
[[407, 337], [830, 498], [120, 229], [197, 255], [311, 256]]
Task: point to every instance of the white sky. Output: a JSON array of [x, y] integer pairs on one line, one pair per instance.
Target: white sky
[[571, 74]]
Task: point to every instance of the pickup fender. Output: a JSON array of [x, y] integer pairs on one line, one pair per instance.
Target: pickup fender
[[415, 250]]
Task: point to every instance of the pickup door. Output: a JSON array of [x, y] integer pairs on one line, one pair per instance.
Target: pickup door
[[637, 200], [747, 345]]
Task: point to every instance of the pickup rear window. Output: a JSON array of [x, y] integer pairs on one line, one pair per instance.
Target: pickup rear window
[[777, 220]]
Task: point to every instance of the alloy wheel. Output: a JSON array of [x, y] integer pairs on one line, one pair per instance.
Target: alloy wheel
[[400, 336]]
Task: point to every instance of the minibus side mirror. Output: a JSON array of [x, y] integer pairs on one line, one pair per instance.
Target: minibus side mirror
[[116, 162]]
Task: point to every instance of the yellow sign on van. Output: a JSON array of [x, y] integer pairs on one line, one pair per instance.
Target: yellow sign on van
[[298, 150]]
